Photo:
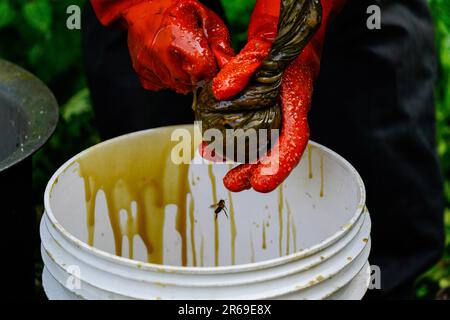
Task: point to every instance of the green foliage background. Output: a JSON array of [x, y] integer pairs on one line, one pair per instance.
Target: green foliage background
[[33, 34]]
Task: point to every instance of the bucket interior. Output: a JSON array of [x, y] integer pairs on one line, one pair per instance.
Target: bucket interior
[[127, 197]]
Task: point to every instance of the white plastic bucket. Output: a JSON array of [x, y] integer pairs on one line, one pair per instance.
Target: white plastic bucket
[[309, 239]]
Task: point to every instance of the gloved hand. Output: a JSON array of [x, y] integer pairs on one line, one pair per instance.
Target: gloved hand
[[235, 75], [296, 92], [174, 44]]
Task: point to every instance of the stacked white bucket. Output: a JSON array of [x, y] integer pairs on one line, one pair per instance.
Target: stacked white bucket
[[329, 259]]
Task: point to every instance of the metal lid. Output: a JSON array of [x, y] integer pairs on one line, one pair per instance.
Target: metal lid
[[28, 114]]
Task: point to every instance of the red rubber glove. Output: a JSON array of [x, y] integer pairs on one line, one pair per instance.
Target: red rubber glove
[[296, 93], [174, 44], [235, 76]]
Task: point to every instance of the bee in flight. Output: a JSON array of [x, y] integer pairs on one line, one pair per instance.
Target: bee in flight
[[219, 208]]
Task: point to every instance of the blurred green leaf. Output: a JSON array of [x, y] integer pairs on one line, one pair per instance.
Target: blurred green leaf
[[7, 13], [78, 105], [238, 14], [422, 292], [38, 14]]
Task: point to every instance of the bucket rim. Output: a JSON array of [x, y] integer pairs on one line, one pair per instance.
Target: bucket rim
[[147, 266]]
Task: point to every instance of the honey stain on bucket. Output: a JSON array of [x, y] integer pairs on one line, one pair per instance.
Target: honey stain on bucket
[[184, 190], [130, 233], [90, 199], [192, 234], [53, 186], [322, 182], [310, 170], [216, 222], [233, 230], [310, 166], [151, 182], [264, 238]]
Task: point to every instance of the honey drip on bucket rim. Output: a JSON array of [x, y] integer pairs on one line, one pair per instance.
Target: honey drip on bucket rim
[[264, 238], [192, 223], [232, 225], [90, 206], [216, 222], [310, 166], [232, 229], [294, 235]]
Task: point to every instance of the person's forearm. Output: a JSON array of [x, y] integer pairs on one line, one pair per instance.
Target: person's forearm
[[173, 44], [109, 11]]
